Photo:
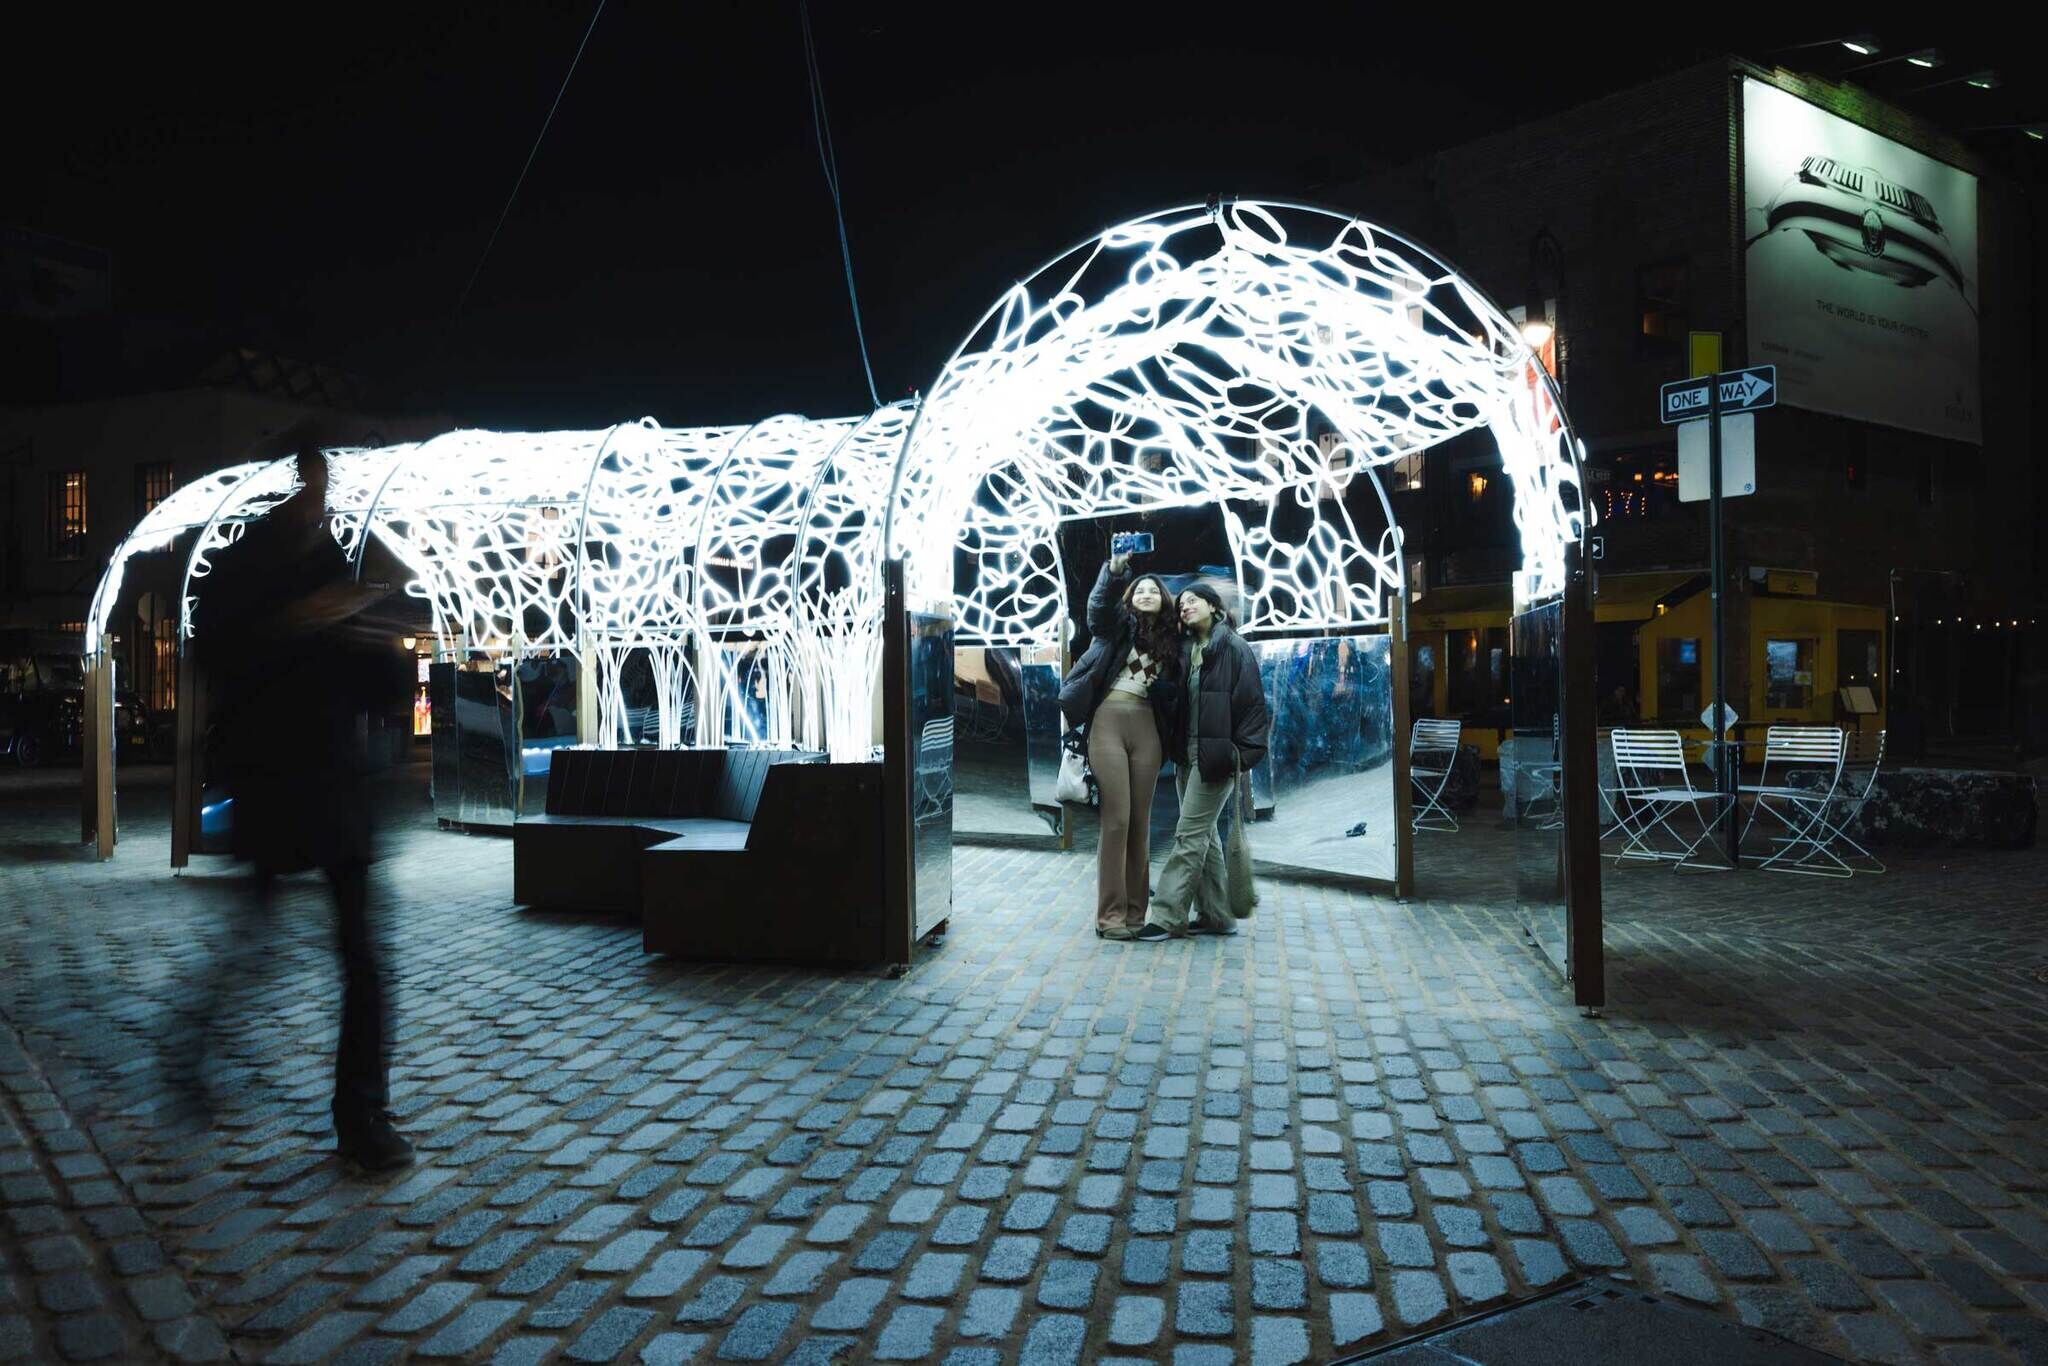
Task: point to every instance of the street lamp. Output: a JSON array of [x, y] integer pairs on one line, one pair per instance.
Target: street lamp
[[1926, 58], [1863, 43], [1986, 79]]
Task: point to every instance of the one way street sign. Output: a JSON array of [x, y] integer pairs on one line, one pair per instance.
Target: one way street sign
[[1742, 391]]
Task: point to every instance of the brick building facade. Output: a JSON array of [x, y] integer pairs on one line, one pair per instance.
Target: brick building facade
[[1642, 193]]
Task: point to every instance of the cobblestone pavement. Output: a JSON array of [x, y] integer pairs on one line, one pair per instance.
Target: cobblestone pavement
[[1811, 1106]]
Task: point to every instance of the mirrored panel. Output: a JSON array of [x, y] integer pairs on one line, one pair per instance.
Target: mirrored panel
[[487, 746], [757, 686], [1323, 800], [932, 730], [1041, 674], [1532, 776], [992, 780], [446, 752], [547, 722]]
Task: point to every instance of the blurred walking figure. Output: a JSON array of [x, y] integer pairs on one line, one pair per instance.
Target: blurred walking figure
[[292, 666]]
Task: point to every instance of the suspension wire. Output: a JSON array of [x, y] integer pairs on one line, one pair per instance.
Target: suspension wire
[[532, 152], [821, 124]]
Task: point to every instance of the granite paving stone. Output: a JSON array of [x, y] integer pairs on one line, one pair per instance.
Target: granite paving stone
[[1032, 1146]]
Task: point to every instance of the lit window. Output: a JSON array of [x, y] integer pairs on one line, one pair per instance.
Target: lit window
[[1788, 678], [154, 481], [1405, 474], [67, 515], [1664, 300]]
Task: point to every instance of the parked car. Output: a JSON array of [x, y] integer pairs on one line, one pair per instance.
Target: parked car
[[42, 702]]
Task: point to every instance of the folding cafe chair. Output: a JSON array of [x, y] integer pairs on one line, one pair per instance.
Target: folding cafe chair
[[1432, 754], [1801, 812], [1863, 756], [1653, 789], [1547, 779]]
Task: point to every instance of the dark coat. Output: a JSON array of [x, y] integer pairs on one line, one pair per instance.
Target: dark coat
[[287, 696], [1114, 628], [1228, 714]]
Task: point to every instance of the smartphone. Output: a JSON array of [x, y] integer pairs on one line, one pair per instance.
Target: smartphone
[[1131, 543]]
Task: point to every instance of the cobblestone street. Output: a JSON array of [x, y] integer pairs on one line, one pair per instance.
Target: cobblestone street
[[1811, 1106]]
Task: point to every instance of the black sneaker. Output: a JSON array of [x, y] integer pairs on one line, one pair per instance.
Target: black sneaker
[[373, 1143], [1148, 933]]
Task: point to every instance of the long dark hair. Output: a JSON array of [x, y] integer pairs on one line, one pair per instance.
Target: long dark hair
[[1156, 633]]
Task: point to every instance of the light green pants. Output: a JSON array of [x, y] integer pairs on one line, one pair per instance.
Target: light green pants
[[1191, 883]]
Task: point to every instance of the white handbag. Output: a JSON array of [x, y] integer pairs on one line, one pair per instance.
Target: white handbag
[[1073, 780]]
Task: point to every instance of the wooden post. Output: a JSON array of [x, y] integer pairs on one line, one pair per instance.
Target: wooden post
[[88, 782], [899, 765], [96, 784], [518, 726], [187, 779], [1404, 796], [1578, 736]]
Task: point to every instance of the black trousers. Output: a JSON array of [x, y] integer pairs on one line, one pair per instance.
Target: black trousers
[[362, 1054], [362, 1058]]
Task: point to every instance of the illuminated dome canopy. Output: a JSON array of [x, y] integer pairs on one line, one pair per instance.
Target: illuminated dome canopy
[[1256, 356], [1200, 355]]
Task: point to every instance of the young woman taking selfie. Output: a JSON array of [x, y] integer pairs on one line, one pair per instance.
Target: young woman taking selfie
[[1123, 694]]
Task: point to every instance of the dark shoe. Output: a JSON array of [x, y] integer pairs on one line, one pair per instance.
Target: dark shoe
[[1149, 933], [373, 1143], [1212, 927]]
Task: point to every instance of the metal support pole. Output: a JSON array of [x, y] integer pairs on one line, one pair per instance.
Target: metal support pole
[[1725, 772], [1404, 796]]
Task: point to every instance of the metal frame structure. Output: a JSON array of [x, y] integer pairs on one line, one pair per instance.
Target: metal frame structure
[[1256, 355]]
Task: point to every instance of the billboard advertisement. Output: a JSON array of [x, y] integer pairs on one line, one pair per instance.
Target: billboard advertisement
[[1862, 266]]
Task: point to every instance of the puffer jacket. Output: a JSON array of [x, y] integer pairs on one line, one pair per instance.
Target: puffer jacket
[[1227, 715], [1113, 627]]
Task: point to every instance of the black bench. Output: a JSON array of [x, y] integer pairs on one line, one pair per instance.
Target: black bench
[[605, 806], [805, 884]]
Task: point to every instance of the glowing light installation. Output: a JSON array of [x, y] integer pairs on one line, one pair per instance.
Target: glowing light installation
[[746, 578], [839, 584], [1256, 356], [1195, 356]]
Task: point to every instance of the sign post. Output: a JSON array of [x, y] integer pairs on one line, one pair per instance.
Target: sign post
[[1726, 775], [1710, 397]]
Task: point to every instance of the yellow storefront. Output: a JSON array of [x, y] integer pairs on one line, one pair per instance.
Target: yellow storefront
[[1802, 654], [1458, 661]]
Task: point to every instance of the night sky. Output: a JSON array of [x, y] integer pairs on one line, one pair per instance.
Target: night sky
[[323, 182]]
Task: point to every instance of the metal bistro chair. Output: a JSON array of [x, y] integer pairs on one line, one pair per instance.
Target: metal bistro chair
[[1551, 776], [1608, 782], [934, 766], [1802, 811], [1863, 756], [1432, 754], [1653, 787]]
